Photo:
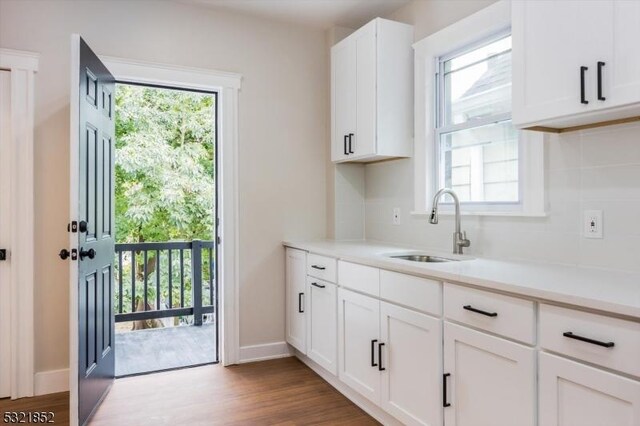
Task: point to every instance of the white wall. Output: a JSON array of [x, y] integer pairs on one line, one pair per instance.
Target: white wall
[[282, 153], [594, 169]]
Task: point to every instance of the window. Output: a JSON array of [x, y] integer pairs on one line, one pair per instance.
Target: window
[[477, 147]]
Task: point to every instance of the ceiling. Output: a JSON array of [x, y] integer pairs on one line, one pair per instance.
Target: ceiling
[[319, 14]]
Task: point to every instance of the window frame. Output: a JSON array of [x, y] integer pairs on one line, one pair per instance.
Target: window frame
[[487, 25]]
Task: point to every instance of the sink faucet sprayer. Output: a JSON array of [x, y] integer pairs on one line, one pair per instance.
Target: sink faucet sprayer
[[459, 238]]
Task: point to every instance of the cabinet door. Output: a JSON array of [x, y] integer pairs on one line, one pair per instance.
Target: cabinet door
[[551, 41], [343, 97], [322, 326], [621, 76], [576, 394], [364, 140], [491, 382], [412, 359], [295, 298], [358, 335]]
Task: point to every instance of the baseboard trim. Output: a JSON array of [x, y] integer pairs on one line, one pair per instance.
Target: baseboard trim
[[367, 406], [264, 352], [52, 381]]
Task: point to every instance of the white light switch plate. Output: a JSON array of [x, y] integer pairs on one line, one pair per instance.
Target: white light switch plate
[[593, 223]]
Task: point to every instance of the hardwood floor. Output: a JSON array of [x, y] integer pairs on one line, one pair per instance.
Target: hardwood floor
[[277, 392], [57, 403]]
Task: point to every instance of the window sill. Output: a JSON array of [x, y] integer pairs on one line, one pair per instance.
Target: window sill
[[481, 213]]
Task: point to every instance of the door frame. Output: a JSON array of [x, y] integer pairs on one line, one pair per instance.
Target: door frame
[[227, 86], [19, 192]]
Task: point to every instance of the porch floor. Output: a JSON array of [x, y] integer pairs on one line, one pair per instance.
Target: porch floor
[[156, 349]]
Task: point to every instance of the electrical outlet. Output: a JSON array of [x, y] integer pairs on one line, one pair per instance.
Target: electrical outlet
[[593, 223], [396, 216]]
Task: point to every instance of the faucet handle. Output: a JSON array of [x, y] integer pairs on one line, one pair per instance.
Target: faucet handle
[[464, 242]]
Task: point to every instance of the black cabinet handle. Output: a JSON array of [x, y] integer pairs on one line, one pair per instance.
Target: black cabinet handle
[[318, 285], [300, 309], [373, 358], [444, 390], [583, 99], [321, 268], [380, 367], [3, 254], [479, 311], [570, 335], [346, 152], [350, 143], [600, 66]]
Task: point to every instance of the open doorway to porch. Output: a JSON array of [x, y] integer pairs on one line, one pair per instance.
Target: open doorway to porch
[[165, 292]]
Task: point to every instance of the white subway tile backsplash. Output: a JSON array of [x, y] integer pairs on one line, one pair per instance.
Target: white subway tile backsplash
[[595, 169]]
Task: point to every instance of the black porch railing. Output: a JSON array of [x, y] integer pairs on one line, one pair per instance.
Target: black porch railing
[[170, 279]]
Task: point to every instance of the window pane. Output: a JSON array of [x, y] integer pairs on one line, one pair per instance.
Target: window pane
[[481, 163], [478, 84]]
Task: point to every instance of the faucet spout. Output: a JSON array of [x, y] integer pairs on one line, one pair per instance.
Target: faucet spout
[[459, 238]]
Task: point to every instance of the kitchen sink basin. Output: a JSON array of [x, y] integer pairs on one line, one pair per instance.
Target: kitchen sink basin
[[423, 258]]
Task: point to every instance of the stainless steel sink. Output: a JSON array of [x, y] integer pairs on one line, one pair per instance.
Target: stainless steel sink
[[423, 258]]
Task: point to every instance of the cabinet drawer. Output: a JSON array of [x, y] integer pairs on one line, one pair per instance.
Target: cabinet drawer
[[321, 267], [598, 339], [364, 279], [418, 293], [504, 315]]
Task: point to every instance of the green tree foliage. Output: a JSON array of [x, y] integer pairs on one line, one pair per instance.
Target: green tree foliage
[[164, 164], [165, 189]]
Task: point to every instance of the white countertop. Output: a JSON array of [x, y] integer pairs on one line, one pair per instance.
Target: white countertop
[[604, 290]]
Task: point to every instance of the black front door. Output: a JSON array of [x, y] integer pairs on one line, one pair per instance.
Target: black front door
[[96, 236]]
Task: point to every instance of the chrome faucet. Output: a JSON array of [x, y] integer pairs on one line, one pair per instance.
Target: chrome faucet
[[459, 238]]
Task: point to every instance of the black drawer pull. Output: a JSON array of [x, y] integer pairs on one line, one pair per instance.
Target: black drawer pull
[[479, 311], [600, 97], [583, 99], [570, 335], [318, 285], [444, 390], [300, 308], [373, 359], [321, 268], [380, 367]]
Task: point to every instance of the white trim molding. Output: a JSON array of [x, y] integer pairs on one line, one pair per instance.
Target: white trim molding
[[264, 352], [22, 67], [481, 25], [52, 381]]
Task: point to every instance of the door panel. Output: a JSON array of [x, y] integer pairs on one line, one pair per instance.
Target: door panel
[[343, 65], [364, 142], [295, 277], [575, 394], [358, 329], [411, 382], [96, 209], [492, 380], [322, 323], [5, 234]]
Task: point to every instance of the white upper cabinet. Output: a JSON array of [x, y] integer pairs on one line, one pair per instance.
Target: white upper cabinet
[[575, 63], [372, 93]]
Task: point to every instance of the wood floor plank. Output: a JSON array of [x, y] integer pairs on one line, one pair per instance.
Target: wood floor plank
[[278, 392], [281, 392]]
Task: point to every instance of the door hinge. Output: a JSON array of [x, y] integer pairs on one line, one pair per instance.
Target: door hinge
[[72, 227], [3, 254], [218, 240]]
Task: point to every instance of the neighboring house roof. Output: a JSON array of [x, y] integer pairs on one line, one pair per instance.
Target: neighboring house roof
[[498, 71]]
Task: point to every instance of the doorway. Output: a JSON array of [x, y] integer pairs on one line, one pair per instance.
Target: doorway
[[166, 298]]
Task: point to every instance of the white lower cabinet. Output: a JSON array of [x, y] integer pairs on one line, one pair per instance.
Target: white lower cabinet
[[392, 356], [576, 394], [358, 335], [411, 358], [295, 284], [488, 380], [322, 324]]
